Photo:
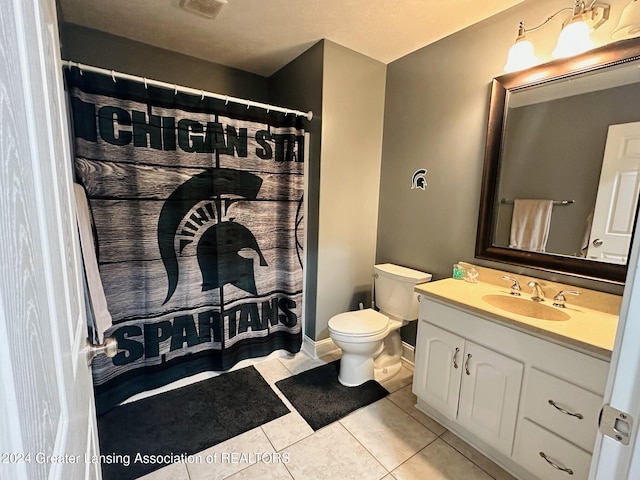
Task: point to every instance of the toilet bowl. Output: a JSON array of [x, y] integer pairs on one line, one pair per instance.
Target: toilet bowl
[[360, 335], [370, 339]]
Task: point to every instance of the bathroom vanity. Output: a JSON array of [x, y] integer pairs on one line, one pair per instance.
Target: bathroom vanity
[[523, 390]]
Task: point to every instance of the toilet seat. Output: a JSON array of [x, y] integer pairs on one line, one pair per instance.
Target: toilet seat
[[360, 323]]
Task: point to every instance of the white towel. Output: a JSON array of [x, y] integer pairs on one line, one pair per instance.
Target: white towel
[[98, 301], [530, 224]]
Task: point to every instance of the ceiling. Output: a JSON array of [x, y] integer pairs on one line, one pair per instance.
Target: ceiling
[[261, 36]]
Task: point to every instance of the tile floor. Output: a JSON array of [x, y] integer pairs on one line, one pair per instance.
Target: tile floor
[[389, 439]]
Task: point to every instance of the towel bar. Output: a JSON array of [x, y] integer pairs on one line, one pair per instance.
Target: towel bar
[[555, 202]]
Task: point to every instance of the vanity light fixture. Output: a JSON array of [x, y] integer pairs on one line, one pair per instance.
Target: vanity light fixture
[[521, 54], [573, 39], [629, 24]]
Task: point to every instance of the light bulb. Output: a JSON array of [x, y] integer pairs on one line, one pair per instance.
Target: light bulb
[[520, 56], [575, 38]]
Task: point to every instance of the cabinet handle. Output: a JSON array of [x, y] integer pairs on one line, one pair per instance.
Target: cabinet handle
[[566, 412], [455, 355], [557, 467], [466, 364]]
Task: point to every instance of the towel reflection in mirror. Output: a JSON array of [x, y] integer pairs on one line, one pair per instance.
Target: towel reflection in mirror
[[530, 223]]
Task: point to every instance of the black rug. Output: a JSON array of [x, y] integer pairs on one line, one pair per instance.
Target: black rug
[[184, 421], [321, 399]]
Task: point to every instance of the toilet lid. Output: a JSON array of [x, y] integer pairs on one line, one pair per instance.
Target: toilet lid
[[360, 322]]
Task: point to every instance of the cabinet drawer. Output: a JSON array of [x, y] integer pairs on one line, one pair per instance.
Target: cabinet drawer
[[534, 441], [571, 402]]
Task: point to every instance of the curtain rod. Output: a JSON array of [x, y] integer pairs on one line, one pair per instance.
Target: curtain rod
[[171, 86]]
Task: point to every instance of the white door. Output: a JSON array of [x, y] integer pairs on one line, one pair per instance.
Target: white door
[[612, 460], [438, 367], [47, 421], [615, 208], [489, 395]]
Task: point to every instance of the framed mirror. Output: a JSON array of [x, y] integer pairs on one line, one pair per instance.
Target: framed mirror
[[563, 139]]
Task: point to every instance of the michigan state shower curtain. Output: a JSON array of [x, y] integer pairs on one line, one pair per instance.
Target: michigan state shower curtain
[[197, 209]]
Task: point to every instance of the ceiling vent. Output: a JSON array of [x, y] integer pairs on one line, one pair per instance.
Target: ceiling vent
[[206, 8]]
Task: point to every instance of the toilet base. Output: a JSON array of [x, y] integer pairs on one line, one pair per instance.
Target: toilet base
[[386, 373], [389, 362], [355, 369]]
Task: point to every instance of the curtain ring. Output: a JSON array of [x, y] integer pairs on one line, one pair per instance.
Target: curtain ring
[[226, 100], [175, 92], [146, 87], [113, 76], [202, 97], [80, 68]]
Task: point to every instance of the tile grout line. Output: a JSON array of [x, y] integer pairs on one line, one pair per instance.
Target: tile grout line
[[337, 421], [417, 453], [440, 436], [465, 456], [276, 450], [293, 409], [365, 448]]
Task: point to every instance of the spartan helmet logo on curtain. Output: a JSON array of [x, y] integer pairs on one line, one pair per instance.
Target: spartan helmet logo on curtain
[[219, 246], [219, 260]]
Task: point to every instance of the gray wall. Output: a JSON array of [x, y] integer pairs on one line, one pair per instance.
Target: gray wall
[[99, 49], [299, 85], [352, 122], [345, 90], [436, 114]]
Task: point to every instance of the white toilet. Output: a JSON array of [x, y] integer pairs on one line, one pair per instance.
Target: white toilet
[[370, 340]]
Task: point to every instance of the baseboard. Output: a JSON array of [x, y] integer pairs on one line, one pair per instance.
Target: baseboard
[[408, 354], [319, 349], [326, 347]]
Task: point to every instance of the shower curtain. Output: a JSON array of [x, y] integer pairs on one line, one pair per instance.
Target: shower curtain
[[197, 209]]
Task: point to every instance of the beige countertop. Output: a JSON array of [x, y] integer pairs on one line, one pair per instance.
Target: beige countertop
[[587, 330]]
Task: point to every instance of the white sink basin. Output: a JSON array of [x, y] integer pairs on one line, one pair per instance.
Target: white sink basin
[[526, 307]]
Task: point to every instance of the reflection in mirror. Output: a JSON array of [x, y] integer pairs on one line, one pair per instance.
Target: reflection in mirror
[[555, 139], [570, 140]]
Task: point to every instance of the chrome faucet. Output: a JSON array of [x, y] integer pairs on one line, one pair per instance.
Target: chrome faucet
[[558, 300], [538, 294], [515, 287]]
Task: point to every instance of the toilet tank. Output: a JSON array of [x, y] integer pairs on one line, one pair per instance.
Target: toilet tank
[[394, 294]]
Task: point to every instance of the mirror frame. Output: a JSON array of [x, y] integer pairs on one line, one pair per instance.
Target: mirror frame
[[617, 53]]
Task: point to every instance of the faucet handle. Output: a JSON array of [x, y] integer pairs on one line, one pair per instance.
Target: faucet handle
[[558, 300], [515, 287]]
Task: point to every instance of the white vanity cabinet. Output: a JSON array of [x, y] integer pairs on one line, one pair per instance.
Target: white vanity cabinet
[[474, 385], [529, 404]]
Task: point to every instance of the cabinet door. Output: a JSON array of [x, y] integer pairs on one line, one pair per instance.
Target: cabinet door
[[489, 395], [438, 368]]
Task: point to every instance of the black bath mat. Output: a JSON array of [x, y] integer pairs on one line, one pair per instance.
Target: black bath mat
[[321, 399], [184, 421]]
